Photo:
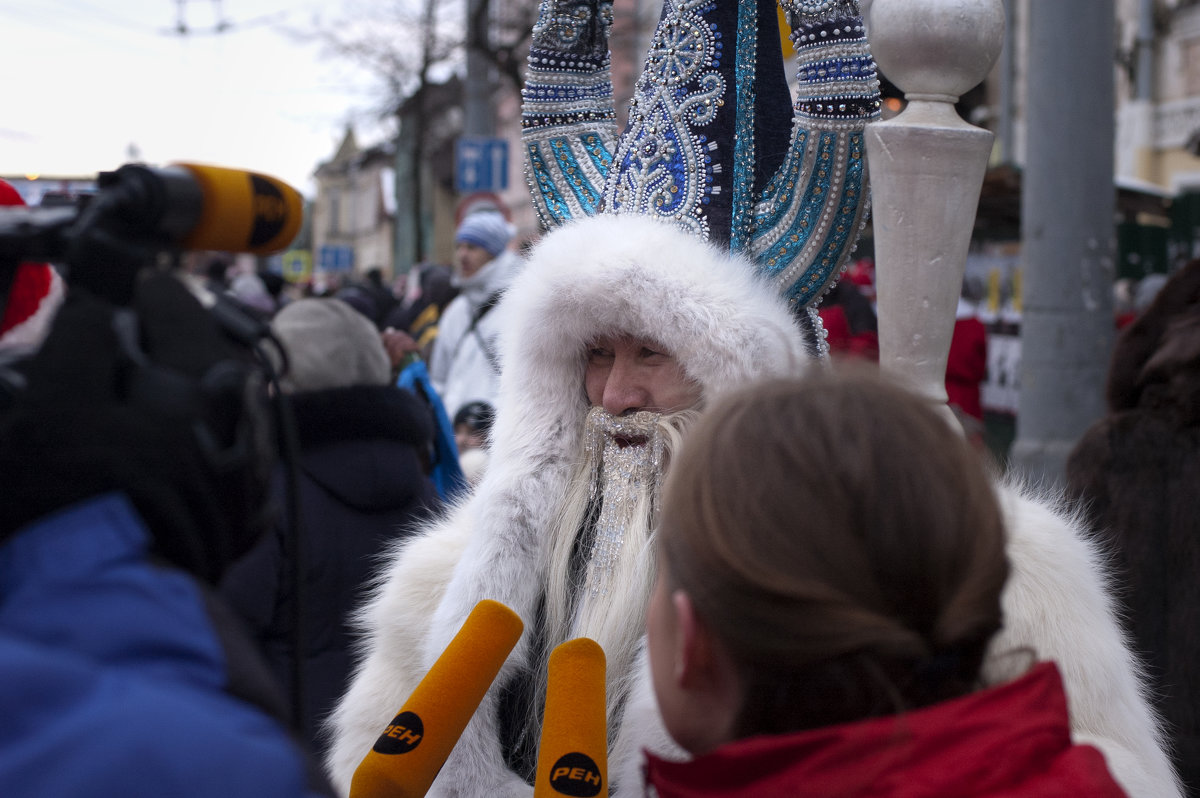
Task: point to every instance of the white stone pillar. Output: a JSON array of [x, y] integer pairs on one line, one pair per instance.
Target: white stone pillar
[[926, 168]]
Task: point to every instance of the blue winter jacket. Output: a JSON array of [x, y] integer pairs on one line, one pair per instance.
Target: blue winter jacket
[[115, 679]]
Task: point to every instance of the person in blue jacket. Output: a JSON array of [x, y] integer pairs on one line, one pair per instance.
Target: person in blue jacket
[[134, 467]]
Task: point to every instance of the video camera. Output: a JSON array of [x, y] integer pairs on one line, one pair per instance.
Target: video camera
[[160, 377], [141, 212]]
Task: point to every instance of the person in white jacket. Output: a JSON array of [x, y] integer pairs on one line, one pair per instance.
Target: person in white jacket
[[464, 364]]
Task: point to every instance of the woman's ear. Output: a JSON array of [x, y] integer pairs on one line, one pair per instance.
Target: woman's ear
[[705, 672], [691, 643], [703, 662]]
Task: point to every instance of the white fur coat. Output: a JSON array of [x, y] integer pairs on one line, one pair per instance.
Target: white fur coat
[[641, 277]]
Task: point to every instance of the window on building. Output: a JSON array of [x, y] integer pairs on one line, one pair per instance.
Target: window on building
[[335, 213], [1191, 67]]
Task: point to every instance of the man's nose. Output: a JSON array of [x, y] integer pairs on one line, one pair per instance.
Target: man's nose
[[624, 391]]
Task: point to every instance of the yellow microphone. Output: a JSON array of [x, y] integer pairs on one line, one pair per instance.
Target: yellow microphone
[[412, 749], [573, 752], [192, 206], [243, 211]]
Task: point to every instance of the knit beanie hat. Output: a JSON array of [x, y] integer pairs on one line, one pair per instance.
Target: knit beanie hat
[[34, 296], [486, 229], [330, 345]]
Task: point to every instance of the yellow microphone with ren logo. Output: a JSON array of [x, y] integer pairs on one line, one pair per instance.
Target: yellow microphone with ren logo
[[573, 753], [412, 749]]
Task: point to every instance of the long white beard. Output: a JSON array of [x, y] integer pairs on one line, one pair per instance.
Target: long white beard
[[624, 461]]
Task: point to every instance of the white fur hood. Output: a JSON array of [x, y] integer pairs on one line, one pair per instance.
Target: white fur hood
[[642, 277]]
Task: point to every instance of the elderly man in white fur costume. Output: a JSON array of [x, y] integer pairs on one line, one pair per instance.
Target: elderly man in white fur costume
[[619, 321], [586, 283]]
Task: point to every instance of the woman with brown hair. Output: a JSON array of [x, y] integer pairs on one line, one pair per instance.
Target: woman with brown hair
[[831, 562]]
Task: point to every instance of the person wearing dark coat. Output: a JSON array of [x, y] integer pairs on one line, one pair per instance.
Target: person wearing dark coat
[[126, 496], [361, 486], [1136, 472]]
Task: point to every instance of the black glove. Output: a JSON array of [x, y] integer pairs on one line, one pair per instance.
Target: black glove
[[155, 401], [573, 28]]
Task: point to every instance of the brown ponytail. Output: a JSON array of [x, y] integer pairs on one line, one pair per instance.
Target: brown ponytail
[[843, 542]]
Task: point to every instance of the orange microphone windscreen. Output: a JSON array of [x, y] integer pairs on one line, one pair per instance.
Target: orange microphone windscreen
[[408, 755], [573, 754], [244, 211]]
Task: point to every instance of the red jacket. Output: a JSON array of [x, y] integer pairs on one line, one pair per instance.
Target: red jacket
[[1008, 741], [966, 366]]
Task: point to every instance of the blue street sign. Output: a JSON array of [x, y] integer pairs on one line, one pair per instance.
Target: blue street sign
[[336, 258], [481, 164]]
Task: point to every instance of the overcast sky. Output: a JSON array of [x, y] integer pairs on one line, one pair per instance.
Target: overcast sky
[[83, 81]]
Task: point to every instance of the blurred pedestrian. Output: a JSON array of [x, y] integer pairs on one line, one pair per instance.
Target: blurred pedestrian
[[472, 430], [966, 366], [464, 364], [418, 315], [31, 295], [1136, 472], [851, 327]]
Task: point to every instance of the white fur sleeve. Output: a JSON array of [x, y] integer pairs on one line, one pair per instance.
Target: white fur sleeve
[[394, 624], [1057, 607], [498, 563]]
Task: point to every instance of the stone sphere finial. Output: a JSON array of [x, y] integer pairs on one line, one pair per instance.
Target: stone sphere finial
[[935, 49]]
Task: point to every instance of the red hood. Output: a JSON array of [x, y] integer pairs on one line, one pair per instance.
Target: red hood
[[1006, 741]]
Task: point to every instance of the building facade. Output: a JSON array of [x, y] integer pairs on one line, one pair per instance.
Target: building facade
[[353, 215]]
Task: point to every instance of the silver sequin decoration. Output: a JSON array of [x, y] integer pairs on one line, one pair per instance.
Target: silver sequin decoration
[[626, 474]]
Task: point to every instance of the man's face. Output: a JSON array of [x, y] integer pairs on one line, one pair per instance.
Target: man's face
[[626, 374], [471, 258]]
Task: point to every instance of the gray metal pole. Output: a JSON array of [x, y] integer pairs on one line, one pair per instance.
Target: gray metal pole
[[1067, 208], [478, 119], [1144, 88], [1008, 79]]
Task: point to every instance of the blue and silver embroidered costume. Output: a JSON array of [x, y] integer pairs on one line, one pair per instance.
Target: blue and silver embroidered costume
[[714, 141]]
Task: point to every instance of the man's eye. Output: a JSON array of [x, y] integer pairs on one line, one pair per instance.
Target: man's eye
[[596, 353], [648, 352]]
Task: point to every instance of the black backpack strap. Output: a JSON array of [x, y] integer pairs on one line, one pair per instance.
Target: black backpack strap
[[480, 312], [484, 308]]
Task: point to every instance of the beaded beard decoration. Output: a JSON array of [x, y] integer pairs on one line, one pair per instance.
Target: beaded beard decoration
[[714, 142], [628, 453]]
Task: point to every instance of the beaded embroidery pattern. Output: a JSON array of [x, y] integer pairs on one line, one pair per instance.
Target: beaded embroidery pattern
[[567, 116], [803, 229], [665, 163], [669, 163]]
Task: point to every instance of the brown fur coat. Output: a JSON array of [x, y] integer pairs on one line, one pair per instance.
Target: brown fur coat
[[1138, 474]]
